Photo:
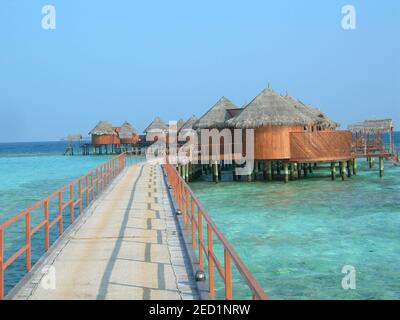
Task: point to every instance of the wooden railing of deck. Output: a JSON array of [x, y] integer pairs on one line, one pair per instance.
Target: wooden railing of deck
[[89, 187], [196, 218]]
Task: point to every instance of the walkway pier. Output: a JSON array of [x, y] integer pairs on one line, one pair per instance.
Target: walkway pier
[[126, 247], [124, 232]]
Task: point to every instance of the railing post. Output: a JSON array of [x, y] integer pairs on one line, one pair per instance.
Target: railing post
[[1, 264], [200, 235], [86, 191], [92, 185], [80, 195], [71, 205], [28, 254], [46, 226], [187, 211], [193, 226], [211, 283], [97, 182], [228, 275], [60, 213]]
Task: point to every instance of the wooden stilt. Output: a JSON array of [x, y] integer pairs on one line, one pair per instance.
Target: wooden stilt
[[348, 168], [370, 162], [256, 169], [381, 167], [270, 171], [305, 169], [298, 170], [354, 167], [215, 173], [286, 171], [292, 171], [333, 170], [343, 170], [310, 168]]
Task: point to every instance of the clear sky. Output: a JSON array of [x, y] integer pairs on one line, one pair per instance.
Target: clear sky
[[132, 60]]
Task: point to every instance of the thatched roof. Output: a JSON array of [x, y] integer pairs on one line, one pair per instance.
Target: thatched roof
[[74, 137], [315, 115], [156, 124], [372, 126], [180, 124], [216, 116], [103, 128], [127, 131], [268, 109], [188, 125]]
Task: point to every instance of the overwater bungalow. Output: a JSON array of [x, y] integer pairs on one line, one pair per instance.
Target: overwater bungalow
[[104, 135], [187, 127], [368, 141], [290, 133], [128, 135], [216, 116]]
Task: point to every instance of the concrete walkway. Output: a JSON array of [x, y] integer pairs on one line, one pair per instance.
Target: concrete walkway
[[127, 246]]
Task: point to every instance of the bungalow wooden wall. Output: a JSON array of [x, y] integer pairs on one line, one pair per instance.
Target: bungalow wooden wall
[[320, 146], [105, 139], [273, 143]]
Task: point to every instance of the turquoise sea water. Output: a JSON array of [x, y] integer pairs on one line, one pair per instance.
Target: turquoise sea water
[[296, 237]]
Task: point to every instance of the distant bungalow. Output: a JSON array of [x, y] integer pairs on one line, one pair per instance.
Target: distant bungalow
[[104, 135]]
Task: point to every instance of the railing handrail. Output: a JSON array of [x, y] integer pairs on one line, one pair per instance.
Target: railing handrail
[[100, 179], [254, 286]]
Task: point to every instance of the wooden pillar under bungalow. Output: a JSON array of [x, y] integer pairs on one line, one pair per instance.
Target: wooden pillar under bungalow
[[286, 171], [333, 171], [370, 162], [354, 166], [305, 169], [215, 171], [298, 170], [256, 169], [269, 170], [343, 170], [292, 170], [381, 167], [349, 168]]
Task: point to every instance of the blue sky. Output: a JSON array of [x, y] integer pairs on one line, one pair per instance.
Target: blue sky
[[132, 60]]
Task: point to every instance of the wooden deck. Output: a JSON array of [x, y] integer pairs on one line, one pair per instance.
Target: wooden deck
[[128, 246]]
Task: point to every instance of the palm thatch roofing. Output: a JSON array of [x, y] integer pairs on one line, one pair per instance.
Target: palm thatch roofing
[[103, 128], [127, 131], [156, 124], [268, 109], [188, 125], [216, 116], [180, 124], [316, 116], [74, 137], [372, 126]]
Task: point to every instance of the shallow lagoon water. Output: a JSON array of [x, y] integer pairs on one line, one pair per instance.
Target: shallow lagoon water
[[297, 237]]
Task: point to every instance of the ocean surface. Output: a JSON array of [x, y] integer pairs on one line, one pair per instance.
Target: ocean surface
[[295, 238]]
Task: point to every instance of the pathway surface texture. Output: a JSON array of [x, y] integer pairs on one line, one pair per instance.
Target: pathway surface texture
[[127, 246]]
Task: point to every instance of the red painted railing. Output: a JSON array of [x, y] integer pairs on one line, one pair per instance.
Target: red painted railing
[[88, 188], [189, 205]]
